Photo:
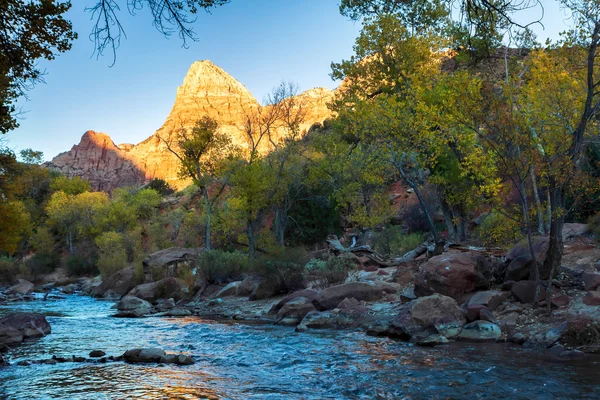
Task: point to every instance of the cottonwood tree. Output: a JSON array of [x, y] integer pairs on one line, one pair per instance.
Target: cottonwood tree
[[201, 152], [260, 181]]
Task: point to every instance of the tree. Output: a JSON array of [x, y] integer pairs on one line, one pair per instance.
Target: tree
[[30, 31], [14, 225], [259, 182], [71, 186], [200, 152]]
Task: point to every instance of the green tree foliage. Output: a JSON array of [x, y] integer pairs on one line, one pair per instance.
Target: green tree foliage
[[30, 31], [161, 186], [111, 252], [71, 186], [14, 225], [201, 153]]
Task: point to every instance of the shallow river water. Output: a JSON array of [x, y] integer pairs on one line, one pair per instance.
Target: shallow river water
[[240, 361]]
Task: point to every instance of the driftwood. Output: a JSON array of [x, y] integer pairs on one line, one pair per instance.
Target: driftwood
[[336, 247]]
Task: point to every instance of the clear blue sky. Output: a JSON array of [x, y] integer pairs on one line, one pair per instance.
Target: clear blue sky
[[259, 42]]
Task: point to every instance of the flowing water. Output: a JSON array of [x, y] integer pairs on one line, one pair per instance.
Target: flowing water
[[240, 361]]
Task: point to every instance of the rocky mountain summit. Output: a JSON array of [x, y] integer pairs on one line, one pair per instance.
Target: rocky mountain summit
[[206, 90]]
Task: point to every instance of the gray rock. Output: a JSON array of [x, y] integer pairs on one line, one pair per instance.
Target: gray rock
[[133, 307], [480, 331]]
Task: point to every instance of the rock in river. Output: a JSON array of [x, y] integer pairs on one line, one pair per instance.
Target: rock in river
[[16, 327]]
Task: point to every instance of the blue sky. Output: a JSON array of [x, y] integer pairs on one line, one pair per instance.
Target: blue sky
[[258, 42]]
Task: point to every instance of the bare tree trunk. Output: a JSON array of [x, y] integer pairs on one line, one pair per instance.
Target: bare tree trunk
[[536, 268], [70, 240], [280, 226], [251, 238], [208, 210], [548, 211], [538, 203], [439, 244], [448, 217], [555, 248]]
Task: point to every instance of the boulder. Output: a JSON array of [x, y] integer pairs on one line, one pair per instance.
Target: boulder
[[520, 265], [453, 274], [428, 340], [306, 293], [22, 288], [16, 327], [572, 230], [403, 276], [474, 311], [118, 284], [561, 300], [487, 315], [179, 312], [265, 289], [524, 291], [317, 320], [436, 314], [489, 298], [332, 296], [133, 307], [150, 355], [10, 335], [97, 353], [590, 281], [168, 260], [229, 290], [592, 299], [249, 285], [294, 311], [164, 289], [88, 284], [480, 331], [211, 291], [165, 304]]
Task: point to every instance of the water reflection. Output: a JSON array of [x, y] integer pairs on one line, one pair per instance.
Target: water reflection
[[239, 361]]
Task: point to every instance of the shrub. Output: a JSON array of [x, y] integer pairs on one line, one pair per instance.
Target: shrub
[[582, 331], [325, 273], [160, 186], [499, 230], [392, 241], [594, 224], [285, 266], [217, 266], [112, 254], [42, 263], [8, 270], [79, 265]]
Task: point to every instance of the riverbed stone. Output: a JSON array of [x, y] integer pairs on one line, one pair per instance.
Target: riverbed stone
[[591, 281], [10, 335], [30, 325], [266, 289], [453, 274], [435, 314], [163, 289], [133, 307], [592, 298], [249, 285], [480, 331], [524, 291], [520, 265], [317, 320], [294, 311], [23, 287], [116, 285], [332, 296], [229, 290], [306, 293], [429, 340], [148, 355], [489, 298], [97, 353]]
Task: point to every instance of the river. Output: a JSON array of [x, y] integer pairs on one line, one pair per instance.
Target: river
[[241, 361]]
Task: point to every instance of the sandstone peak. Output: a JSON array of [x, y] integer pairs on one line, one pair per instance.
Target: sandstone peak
[[206, 90]]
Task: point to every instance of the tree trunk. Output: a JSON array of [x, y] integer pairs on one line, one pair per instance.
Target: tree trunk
[[280, 226], [208, 210], [251, 239], [555, 247], [448, 217], [70, 240], [548, 211], [439, 246], [538, 203], [536, 268]]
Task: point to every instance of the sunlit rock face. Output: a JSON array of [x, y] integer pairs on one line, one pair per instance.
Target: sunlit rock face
[[206, 90]]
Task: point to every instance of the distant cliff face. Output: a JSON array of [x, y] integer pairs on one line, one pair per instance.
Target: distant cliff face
[[206, 90]]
